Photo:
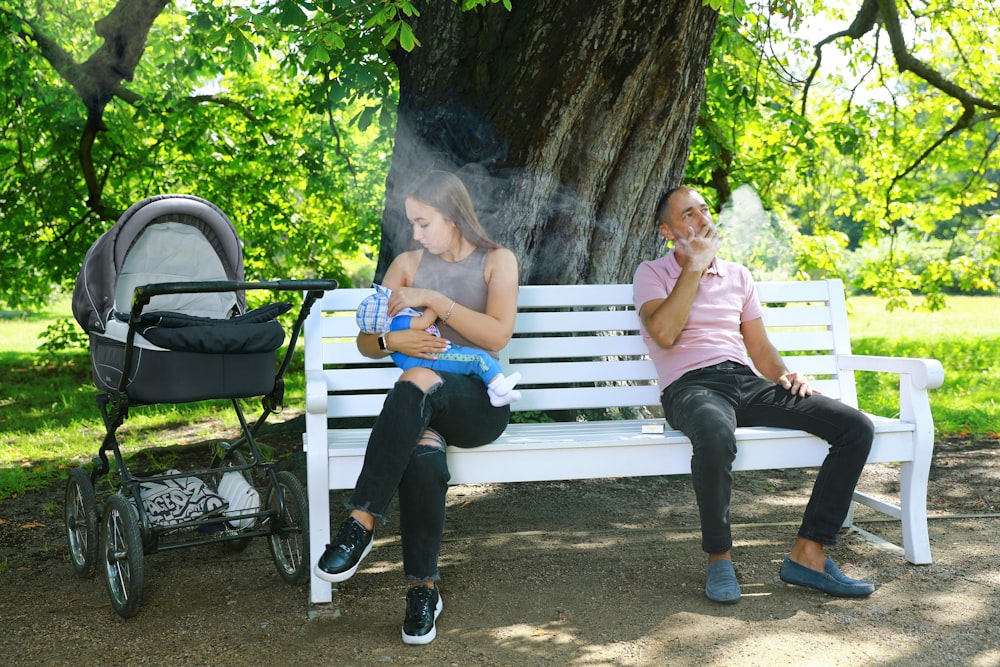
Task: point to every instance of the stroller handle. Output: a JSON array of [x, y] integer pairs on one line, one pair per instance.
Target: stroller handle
[[143, 293]]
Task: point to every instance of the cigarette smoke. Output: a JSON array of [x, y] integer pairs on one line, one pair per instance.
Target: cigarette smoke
[[755, 237]]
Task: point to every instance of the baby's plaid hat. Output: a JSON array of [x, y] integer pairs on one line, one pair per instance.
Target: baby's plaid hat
[[373, 313]]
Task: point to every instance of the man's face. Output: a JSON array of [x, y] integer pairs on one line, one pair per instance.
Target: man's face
[[687, 214]]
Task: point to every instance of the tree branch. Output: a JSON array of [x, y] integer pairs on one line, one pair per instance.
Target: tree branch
[[907, 62], [224, 102], [99, 79], [863, 22], [886, 11], [964, 121]]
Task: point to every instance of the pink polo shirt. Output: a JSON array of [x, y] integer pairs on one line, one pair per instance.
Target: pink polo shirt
[[727, 297]]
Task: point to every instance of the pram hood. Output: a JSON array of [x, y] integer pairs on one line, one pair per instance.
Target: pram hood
[[148, 245]]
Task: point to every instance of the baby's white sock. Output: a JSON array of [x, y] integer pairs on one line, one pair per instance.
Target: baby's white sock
[[501, 389]]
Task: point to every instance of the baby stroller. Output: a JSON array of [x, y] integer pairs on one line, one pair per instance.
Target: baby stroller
[[163, 299]]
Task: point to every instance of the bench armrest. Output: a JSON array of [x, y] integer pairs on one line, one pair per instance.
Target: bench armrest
[[924, 373], [316, 393]]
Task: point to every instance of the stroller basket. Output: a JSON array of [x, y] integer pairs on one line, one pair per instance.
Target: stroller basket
[[162, 297], [177, 358]]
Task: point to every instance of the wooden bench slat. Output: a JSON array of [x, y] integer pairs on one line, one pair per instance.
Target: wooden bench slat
[[587, 347], [798, 290], [798, 318]]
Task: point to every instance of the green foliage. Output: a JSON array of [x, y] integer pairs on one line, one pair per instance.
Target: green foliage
[[530, 417], [63, 335], [282, 113], [883, 159], [212, 112], [967, 401]]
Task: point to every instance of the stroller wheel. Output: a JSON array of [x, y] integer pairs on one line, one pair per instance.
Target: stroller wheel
[[81, 522], [289, 538], [121, 546]]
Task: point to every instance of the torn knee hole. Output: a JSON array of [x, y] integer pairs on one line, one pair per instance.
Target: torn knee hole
[[432, 440]]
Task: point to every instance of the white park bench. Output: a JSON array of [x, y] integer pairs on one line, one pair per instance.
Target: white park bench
[[577, 347]]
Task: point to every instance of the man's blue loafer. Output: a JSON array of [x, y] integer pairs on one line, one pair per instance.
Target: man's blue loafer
[[720, 582], [831, 581]]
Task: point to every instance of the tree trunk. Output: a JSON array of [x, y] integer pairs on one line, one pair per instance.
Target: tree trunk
[[566, 119]]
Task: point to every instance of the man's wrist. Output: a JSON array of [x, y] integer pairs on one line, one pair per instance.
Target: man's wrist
[[383, 342]]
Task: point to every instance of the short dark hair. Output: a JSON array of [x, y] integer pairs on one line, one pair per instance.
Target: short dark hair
[[664, 203]]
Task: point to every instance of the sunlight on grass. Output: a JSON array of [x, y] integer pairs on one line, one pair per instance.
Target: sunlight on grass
[[965, 316], [20, 332], [965, 338]]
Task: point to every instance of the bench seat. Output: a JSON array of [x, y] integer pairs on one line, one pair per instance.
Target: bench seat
[[618, 448]]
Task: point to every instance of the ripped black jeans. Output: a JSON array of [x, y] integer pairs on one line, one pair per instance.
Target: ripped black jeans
[[400, 457], [708, 404]]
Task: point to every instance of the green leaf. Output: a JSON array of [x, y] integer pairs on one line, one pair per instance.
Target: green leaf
[[407, 39], [292, 14]]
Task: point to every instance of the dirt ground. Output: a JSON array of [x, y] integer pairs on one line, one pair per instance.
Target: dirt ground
[[596, 572]]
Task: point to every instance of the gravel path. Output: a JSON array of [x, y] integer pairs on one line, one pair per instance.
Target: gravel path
[[596, 572]]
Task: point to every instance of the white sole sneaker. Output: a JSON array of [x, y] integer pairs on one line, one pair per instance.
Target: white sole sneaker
[[419, 640], [346, 574]]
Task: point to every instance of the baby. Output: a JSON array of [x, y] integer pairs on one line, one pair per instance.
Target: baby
[[373, 317]]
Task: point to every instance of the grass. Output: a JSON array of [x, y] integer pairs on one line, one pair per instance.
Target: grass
[[965, 338], [49, 420]]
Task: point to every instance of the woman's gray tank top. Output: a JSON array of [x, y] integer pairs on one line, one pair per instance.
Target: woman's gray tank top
[[462, 281]]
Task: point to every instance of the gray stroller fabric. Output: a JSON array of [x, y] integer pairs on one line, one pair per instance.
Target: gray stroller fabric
[[185, 345], [96, 290]]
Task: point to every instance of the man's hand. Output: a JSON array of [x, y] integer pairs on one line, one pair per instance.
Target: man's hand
[[797, 383], [699, 247]]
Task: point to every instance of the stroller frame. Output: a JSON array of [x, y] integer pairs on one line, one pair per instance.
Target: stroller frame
[[127, 532], [116, 536]]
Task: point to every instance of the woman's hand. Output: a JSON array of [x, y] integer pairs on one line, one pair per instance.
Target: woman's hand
[[415, 343], [413, 297]]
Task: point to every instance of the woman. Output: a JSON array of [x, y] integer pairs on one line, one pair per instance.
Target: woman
[[459, 272]]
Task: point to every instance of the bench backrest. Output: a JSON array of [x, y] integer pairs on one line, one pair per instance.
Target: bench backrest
[[566, 335]]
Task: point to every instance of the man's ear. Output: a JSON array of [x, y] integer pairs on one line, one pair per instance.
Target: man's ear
[[666, 232]]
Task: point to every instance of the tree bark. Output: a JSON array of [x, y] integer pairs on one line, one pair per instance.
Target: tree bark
[[566, 119]]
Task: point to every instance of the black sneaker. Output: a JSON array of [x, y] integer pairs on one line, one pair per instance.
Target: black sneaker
[[423, 605], [342, 556]]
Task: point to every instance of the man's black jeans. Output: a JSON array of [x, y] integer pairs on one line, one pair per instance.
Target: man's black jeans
[[708, 404]]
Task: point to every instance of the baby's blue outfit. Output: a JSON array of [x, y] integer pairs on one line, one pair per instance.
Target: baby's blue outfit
[[371, 318], [456, 359]]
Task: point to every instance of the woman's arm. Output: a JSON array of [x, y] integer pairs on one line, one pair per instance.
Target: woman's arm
[[415, 343], [490, 331]]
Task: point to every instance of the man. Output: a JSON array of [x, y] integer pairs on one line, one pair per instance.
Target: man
[[701, 320]]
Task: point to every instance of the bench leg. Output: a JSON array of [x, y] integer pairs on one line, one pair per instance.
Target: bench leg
[[318, 489], [913, 475], [913, 506], [849, 519]]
